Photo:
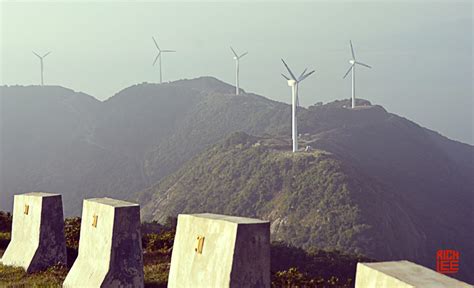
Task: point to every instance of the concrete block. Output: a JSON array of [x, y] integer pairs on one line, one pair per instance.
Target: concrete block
[[110, 247], [213, 250], [37, 240], [402, 274]]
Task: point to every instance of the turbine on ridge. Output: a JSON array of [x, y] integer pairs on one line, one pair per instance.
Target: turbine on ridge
[[353, 63], [237, 60], [41, 64], [293, 82], [159, 56]]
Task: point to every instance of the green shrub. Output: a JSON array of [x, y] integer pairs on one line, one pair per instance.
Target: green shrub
[[72, 230], [5, 221], [156, 275], [160, 242]]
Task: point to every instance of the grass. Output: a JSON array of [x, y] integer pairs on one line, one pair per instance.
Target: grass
[[156, 275], [157, 256], [17, 277]]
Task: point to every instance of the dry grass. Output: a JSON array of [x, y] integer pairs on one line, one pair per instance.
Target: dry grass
[[156, 275], [17, 277]]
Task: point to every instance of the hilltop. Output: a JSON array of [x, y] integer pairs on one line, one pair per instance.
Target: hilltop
[[307, 196]]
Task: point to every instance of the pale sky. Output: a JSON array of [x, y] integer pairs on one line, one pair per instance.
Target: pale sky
[[421, 52]]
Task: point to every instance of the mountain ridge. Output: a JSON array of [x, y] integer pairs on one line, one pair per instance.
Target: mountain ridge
[[380, 165], [151, 126]]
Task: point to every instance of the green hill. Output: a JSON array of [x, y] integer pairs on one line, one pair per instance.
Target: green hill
[[314, 199], [308, 197]]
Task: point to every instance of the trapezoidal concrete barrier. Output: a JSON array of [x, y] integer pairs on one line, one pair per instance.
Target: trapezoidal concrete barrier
[[402, 274], [213, 250], [37, 238], [110, 248]]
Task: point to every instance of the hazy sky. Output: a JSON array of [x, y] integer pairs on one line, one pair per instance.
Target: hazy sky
[[421, 52]]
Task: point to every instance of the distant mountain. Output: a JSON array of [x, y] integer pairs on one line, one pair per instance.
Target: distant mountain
[[55, 139], [48, 144]]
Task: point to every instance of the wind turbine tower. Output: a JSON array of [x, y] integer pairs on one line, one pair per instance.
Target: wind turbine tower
[[293, 83], [237, 60], [353, 63], [159, 57], [41, 63]]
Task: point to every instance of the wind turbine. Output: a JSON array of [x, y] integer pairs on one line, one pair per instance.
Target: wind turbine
[[353, 62], [237, 59], [159, 56], [41, 62], [293, 83]]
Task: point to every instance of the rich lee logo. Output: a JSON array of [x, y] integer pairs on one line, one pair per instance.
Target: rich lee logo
[[447, 261]]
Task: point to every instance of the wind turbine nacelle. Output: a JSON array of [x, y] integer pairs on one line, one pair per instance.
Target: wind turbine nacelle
[[291, 82], [235, 58], [352, 61]]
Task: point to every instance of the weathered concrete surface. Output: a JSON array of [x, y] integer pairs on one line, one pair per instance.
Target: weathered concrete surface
[[402, 274], [37, 240], [110, 252], [235, 252]]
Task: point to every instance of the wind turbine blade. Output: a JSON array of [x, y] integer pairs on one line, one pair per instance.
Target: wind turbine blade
[[350, 68], [156, 44], [360, 63], [46, 54], [36, 54], [288, 68], [233, 51], [168, 51], [243, 55], [352, 50], [156, 59], [302, 73], [285, 77], [305, 76]]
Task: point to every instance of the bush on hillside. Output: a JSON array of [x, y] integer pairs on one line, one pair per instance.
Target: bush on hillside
[[5, 221]]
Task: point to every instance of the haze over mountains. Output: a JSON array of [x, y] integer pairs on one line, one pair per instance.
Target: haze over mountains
[[55, 139], [374, 183]]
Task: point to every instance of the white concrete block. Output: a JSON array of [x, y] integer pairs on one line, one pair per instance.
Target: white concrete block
[[402, 274], [110, 247], [37, 240], [213, 250]]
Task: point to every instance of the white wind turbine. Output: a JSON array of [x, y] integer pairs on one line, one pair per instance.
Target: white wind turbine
[[293, 83], [353, 62], [41, 63], [237, 59], [160, 56]]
